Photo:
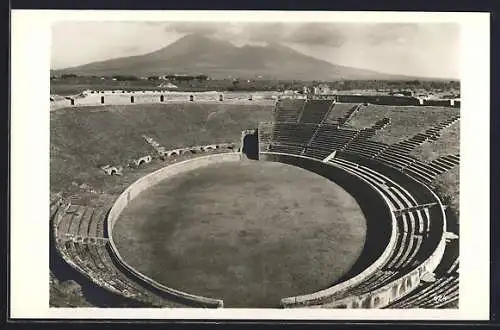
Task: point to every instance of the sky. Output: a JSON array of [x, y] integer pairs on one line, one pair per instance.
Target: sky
[[416, 49]]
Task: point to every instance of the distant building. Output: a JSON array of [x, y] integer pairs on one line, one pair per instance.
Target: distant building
[[402, 93], [322, 89], [168, 85]]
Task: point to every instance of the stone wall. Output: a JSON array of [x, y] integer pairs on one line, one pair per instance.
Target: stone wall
[[119, 97]]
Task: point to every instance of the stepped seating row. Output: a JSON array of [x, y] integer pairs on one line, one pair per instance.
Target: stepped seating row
[[416, 222], [367, 133], [400, 198], [449, 264], [316, 153], [436, 296], [320, 140], [420, 175], [432, 133], [365, 148], [348, 115], [447, 294], [427, 172], [81, 220], [446, 123], [419, 138], [325, 140], [316, 110], [329, 137], [411, 246], [381, 124], [423, 172], [443, 291], [407, 244], [440, 293], [398, 159], [395, 156], [90, 256], [95, 262], [265, 133], [402, 148], [298, 134], [288, 110], [446, 163], [285, 148]]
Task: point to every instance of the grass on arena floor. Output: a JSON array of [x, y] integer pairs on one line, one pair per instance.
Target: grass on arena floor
[[248, 232]]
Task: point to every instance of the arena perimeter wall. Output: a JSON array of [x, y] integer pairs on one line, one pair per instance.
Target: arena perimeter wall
[[381, 233], [132, 192], [392, 291]]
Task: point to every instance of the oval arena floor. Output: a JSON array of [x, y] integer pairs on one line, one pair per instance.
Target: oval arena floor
[[249, 233]]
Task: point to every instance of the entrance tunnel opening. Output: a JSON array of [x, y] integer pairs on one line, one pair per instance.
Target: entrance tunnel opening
[[251, 145]]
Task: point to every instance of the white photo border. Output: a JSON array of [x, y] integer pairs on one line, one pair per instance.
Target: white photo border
[[30, 89]]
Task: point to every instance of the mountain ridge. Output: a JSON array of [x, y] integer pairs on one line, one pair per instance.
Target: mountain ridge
[[198, 54]]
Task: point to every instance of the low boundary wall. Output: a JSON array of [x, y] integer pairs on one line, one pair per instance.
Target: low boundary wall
[[389, 100], [106, 98], [141, 185]]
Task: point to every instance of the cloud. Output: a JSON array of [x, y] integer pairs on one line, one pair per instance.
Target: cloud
[[327, 34], [405, 33], [387, 33], [314, 33], [204, 28], [319, 34], [305, 33], [427, 49]]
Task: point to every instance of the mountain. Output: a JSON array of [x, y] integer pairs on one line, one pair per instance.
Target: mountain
[[197, 54]]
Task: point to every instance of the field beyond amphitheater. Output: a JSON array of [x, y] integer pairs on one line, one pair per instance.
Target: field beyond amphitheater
[[249, 233]]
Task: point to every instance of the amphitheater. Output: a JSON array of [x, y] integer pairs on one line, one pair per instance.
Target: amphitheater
[[399, 163]]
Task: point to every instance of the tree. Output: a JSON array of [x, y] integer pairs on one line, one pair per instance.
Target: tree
[[69, 75]]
